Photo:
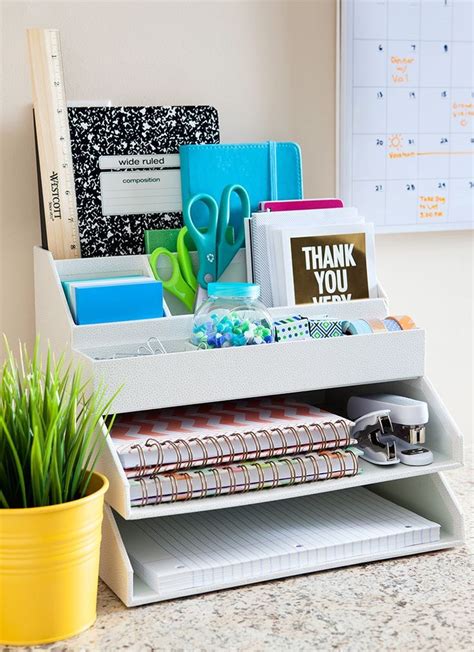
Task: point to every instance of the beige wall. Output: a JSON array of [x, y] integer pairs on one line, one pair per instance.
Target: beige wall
[[269, 68]]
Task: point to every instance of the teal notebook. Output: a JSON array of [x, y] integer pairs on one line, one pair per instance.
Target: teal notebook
[[267, 171]]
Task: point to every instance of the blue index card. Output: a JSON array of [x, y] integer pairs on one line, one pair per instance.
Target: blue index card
[[99, 279], [101, 303]]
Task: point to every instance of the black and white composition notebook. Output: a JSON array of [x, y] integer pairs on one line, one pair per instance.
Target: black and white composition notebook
[[126, 170]]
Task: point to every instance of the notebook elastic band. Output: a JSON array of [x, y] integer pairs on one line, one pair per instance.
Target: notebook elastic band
[[272, 153]]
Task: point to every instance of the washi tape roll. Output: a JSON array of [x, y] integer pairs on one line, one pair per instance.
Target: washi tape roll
[[322, 328], [356, 327], [376, 325], [392, 325], [291, 328], [405, 322]]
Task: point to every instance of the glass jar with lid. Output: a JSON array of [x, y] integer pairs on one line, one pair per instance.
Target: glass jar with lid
[[232, 316]]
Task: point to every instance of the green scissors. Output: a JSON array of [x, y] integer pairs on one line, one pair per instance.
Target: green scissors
[[182, 282]]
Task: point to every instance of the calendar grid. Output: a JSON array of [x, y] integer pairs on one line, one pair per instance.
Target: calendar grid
[[419, 116], [384, 146], [450, 122], [419, 40], [409, 118]]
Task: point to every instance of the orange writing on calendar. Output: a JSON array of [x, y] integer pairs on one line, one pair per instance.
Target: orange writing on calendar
[[331, 268], [401, 69], [431, 206], [407, 107]]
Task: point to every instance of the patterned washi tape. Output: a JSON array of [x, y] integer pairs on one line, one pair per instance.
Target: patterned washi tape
[[291, 328], [299, 327], [321, 328]]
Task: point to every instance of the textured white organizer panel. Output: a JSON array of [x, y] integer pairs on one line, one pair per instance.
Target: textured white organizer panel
[[443, 438], [427, 496], [54, 322], [217, 375], [53, 317], [183, 377]]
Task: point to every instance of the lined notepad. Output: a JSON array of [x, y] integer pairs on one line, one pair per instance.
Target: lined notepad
[[200, 551]]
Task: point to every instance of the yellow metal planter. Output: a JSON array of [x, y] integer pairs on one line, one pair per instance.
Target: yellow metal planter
[[49, 565]]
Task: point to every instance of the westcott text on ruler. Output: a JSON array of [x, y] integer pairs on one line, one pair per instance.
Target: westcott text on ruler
[[54, 148]]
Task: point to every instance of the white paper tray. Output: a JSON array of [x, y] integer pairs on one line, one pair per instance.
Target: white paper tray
[[443, 438], [428, 496]]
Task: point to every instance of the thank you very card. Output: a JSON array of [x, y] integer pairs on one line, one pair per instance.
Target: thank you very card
[[331, 267]]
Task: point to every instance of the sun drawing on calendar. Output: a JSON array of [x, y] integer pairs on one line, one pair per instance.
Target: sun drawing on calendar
[[395, 141]]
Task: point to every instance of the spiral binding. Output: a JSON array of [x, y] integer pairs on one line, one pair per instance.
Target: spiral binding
[[330, 437], [296, 467]]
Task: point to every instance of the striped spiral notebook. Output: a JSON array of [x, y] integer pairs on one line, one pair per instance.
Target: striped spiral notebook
[[221, 433], [237, 478], [189, 553]]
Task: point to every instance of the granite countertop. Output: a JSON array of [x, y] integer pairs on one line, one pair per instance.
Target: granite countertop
[[422, 602]]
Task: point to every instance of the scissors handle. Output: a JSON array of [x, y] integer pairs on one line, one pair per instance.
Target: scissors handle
[[225, 250], [176, 284], [205, 242], [184, 260]]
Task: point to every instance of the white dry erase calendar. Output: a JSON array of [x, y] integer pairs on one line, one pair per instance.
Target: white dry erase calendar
[[407, 128]]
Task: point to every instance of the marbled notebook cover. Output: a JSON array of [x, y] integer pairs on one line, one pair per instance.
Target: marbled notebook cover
[[128, 131]]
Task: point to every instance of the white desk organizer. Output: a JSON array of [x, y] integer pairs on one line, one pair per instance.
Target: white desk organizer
[[182, 377], [324, 372]]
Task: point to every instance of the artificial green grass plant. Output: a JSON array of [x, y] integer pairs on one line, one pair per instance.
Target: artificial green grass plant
[[50, 436]]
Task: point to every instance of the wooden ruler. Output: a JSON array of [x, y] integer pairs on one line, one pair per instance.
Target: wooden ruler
[[53, 142]]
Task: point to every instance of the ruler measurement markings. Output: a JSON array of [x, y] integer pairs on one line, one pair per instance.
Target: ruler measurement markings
[[54, 143], [63, 143]]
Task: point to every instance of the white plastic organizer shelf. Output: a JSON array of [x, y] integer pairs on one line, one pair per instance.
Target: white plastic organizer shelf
[[183, 377], [429, 496], [444, 439]]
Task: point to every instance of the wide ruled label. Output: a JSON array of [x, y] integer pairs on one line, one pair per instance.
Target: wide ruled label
[[139, 161]]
